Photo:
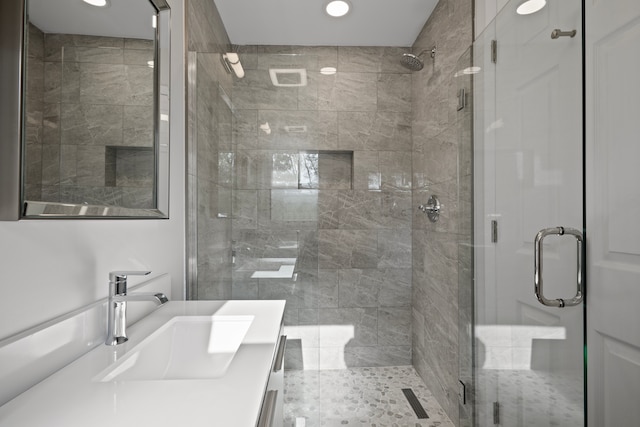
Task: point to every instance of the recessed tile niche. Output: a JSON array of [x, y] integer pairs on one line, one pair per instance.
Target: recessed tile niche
[[302, 175]]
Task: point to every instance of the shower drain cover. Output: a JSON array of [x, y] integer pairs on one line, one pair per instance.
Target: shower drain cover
[[415, 403]]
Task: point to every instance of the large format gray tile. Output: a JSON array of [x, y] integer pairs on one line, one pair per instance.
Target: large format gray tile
[[372, 131], [347, 249]]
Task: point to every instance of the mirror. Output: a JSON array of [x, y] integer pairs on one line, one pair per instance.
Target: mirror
[[95, 127]]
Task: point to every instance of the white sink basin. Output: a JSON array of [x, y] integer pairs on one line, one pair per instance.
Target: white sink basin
[[186, 347]]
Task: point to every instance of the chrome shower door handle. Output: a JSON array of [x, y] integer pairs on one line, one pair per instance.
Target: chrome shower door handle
[[537, 279]]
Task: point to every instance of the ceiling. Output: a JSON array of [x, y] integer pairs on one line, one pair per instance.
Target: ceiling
[[304, 22], [130, 18]]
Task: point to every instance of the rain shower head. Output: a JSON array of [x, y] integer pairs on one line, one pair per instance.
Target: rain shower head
[[413, 62]]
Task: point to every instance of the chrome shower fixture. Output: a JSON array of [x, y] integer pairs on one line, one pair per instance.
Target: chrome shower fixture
[[413, 62], [231, 61]]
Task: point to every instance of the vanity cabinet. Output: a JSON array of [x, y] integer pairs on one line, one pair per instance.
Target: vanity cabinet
[[272, 412]]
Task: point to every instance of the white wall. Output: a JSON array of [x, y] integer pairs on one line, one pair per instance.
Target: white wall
[[50, 267], [486, 11]]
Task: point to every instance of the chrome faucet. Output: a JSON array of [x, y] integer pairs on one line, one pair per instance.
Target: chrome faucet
[[117, 310]]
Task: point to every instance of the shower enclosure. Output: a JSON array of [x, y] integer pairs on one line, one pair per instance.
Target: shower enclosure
[[528, 212]]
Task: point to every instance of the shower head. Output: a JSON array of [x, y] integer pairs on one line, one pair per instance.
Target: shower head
[[413, 62]]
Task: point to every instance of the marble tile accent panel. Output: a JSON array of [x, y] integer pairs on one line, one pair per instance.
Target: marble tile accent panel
[[328, 288], [394, 248], [394, 92], [90, 166], [371, 59], [91, 124], [358, 287], [137, 128], [347, 249], [395, 287], [395, 168], [366, 171], [394, 326], [363, 320], [256, 92], [300, 130], [348, 92], [372, 131]]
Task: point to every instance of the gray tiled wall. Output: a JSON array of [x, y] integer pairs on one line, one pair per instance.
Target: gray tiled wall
[[351, 236], [441, 159], [88, 94]]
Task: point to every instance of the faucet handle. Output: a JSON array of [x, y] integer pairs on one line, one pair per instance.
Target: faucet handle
[[118, 279]]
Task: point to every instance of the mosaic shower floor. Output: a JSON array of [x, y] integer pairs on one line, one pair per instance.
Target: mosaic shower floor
[[358, 397]]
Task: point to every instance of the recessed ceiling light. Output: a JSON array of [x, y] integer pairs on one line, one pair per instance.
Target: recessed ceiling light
[[337, 8], [97, 3], [530, 6]]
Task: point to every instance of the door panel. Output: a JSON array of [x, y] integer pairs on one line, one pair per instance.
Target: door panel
[[613, 209], [530, 357]]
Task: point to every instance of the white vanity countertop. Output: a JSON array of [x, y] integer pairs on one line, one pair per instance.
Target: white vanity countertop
[[73, 398]]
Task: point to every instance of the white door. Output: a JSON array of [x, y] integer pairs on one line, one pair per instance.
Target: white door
[[613, 211], [530, 356]]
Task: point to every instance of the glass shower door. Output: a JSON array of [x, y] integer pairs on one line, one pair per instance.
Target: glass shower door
[[529, 207]]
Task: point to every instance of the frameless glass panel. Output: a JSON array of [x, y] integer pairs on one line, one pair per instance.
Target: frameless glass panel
[[529, 357]]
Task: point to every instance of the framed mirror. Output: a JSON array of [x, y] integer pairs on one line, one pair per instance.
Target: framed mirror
[[93, 109]]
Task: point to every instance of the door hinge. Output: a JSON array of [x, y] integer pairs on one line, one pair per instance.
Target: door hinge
[[494, 51], [496, 413], [462, 392], [494, 231]]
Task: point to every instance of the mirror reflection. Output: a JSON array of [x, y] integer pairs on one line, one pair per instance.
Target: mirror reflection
[[90, 104]]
